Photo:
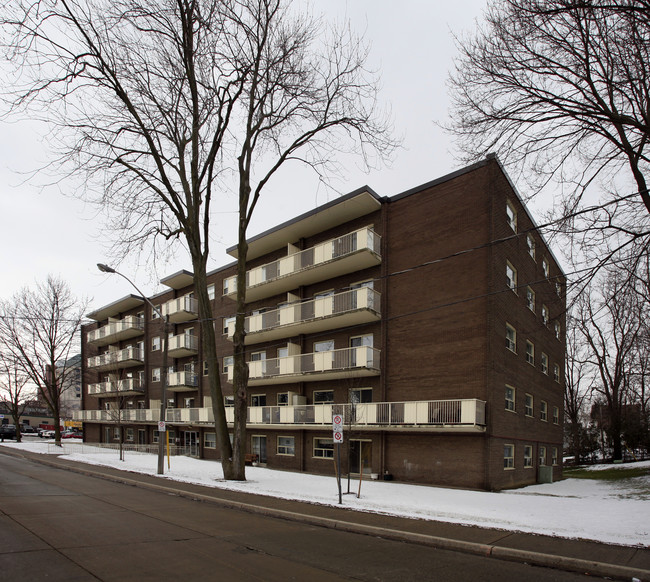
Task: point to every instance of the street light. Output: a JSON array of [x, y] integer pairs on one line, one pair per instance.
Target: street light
[[163, 375]]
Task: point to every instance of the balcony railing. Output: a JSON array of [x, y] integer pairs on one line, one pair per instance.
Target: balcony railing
[[118, 359], [424, 415], [353, 307], [182, 381], [352, 362], [126, 328], [351, 252], [181, 309], [183, 345], [121, 387]]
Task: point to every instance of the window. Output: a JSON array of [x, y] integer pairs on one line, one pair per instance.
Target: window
[[130, 435], [324, 346], [510, 398], [530, 299], [225, 287], [545, 268], [283, 399], [511, 215], [188, 402], [558, 330], [511, 338], [154, 312], [545, 316], [258, 400], [227, 362], [542, 456], [286, 445], [508, 456], [323, 448], [556, 415], [210, 440], [544, 363], [361, 395], [155, 344], [530, 242], [229, 325], [528, 456], [543, 412], [530, 353], [556, 372], [554, 456], [529, 405], [211, 292], [155, 375], [116, 433], [558, 288], [205, 368], [511, 277], [323, 396], [229, 401]]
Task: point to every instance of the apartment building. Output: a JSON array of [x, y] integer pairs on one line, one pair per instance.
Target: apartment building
[[433, 321]]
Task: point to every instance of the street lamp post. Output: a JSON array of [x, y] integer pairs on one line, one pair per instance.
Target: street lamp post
[[163, 375]]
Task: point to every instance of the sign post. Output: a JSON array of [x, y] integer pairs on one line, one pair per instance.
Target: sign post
[[337, 437]]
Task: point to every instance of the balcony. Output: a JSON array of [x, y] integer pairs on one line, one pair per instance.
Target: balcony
[[181, 309], [353, 362], [349, 308], [116, 331], [117, 360], [125, 387], [183, 345], [442, 416], [352, 252], [182, 381]]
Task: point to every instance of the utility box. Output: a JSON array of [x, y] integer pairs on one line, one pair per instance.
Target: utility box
[[545, 475]]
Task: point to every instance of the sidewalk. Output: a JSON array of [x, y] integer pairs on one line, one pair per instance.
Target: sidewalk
[[616, 562]]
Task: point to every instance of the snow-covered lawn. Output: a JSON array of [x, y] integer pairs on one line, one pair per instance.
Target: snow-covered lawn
[[612, 512]]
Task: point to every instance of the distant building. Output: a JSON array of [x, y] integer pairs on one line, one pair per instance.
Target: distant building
[[433, 321], [71, 395]]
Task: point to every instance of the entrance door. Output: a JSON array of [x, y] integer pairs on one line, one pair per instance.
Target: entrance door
[[142, 439], [360, 456], [258, 447], [191, 443]]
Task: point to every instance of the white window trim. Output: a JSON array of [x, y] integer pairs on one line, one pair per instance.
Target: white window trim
[[511, 459], [513, 347], [514, 399], [528, 459], [293, 446], [531, 407]]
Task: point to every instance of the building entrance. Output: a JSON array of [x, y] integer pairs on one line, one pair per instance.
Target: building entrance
[[360, 456], [191, 443]]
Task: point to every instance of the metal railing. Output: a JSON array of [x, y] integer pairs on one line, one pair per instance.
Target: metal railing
[[183, 341], [117, 357], [126, 385], [441, 414], [114, 328], [180, 305], [316, 308], [182, 379], [346, 245]]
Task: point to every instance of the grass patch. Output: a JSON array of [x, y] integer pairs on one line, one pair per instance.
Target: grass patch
[[611, 474]]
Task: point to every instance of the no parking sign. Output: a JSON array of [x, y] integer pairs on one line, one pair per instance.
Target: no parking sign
[[337, 428]]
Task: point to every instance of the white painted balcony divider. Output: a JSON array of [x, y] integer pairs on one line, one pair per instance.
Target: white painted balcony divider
[[126, 385], [337, 248], [183, 341], [313, 363], [469, 413], [117, 357], [114, 328], [182, 379], [305, 311], [184, 304]]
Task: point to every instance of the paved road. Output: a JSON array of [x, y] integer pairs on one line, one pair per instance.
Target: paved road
[[60, 525]]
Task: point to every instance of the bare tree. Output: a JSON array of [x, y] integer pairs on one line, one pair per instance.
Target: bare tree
[[40, 330], [163, 104], [561, 90], [611, 319], [15, 392]]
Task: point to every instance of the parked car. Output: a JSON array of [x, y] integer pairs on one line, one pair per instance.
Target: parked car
[[7, 431], [27, 429], [71, 434], [47, 434]]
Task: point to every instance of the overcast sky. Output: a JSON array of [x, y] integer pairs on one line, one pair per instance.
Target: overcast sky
[[44, 231]]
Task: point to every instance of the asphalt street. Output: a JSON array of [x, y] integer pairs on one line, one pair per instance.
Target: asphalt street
[[57, 523]]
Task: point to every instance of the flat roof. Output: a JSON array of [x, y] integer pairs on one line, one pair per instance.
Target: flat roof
[[117, 307]]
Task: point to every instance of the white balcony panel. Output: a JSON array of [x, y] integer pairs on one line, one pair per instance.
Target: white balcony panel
[[355, 362], [352, 252], [182, 382], [183, 345], [181, 309], [117, 359], [124, 387], [116, 331]]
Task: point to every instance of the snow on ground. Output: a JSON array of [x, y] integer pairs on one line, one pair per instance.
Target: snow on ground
[[610, 512]]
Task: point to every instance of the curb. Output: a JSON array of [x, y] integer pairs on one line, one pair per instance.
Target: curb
[[589, 567]]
